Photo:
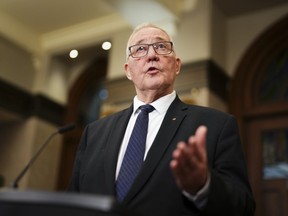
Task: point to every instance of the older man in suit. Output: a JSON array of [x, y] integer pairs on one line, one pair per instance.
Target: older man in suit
[[192, 162]]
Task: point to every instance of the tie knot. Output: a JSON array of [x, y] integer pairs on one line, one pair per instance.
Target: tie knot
[[147, 108]]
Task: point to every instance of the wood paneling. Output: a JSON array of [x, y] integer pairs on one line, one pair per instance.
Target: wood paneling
[[23, 104]]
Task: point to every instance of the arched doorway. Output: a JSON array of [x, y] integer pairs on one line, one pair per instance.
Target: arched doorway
[[84, 101], [259, 99]]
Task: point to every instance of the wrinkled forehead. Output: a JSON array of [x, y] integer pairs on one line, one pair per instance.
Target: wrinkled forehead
[[148, 35]]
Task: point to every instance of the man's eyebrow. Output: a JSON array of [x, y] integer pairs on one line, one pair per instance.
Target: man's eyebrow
[[139, 42], [157, 38]]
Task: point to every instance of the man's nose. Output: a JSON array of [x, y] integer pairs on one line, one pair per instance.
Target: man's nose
[[151, 51]]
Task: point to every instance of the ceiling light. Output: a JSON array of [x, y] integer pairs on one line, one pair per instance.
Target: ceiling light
[[73, 53], [106, 45]]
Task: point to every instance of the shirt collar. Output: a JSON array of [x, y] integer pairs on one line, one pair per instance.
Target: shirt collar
[[161, 105]]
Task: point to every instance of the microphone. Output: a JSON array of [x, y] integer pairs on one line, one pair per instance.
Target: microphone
[[60, 130]]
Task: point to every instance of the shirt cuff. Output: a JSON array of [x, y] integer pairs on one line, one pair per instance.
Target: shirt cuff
[[200, 198]]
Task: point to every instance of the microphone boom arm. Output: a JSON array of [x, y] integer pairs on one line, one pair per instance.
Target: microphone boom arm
[[61, 130]]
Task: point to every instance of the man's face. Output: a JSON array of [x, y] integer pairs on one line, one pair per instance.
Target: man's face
[[153, 71]]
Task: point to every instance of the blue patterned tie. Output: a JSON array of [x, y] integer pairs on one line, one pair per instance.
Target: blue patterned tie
[[133, 158]]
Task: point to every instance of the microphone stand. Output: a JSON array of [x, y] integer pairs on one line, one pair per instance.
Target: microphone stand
[[64, 129]]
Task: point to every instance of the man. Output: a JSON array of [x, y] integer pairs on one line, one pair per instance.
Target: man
[[182, 173]]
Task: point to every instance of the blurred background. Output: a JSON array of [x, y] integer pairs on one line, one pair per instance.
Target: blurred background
[[62, 61]]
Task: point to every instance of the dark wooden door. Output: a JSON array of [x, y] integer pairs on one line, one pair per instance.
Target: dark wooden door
[[267, 141]]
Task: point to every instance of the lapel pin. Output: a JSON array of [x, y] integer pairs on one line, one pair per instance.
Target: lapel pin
[[173, 119]]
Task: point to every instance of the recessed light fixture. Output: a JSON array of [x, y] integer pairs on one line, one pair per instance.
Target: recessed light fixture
[[106, 45], [73, 53]]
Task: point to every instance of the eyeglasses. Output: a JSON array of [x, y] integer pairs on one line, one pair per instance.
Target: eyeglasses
[[141, 50]]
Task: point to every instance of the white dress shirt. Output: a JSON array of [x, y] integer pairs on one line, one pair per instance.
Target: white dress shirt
[[155, 120]]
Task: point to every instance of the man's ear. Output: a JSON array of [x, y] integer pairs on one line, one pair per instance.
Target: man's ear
[[178, 65], [127, 71]]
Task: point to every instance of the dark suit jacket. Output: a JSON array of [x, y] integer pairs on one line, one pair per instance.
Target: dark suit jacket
[[154, 191]]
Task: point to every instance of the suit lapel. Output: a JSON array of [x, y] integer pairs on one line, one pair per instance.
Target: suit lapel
[[173, 119], [113, 145]]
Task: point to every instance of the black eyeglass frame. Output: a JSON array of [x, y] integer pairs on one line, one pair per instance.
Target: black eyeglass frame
[[154, 48]]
